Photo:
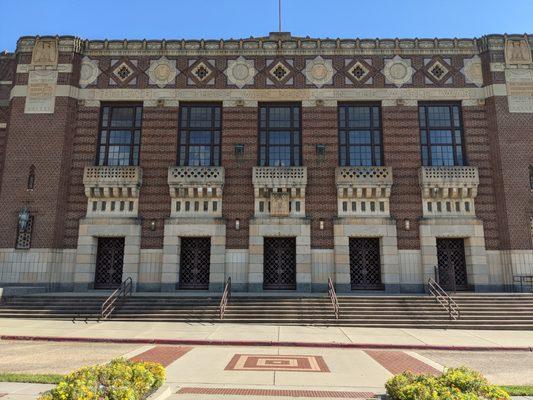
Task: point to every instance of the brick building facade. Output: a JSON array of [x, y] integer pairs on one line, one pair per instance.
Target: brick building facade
[[277, 161]]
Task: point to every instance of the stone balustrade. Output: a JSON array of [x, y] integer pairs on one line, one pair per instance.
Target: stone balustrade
[[112, 191], [448, 191], [363, 191], [196, 191], [279, 191]]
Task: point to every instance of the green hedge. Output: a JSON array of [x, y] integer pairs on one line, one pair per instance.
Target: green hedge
[[118, 380], [455, 384]]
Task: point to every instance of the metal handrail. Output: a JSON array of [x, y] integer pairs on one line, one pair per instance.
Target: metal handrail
[[109, 305], [444, 299], [225, 297], [333, 297]]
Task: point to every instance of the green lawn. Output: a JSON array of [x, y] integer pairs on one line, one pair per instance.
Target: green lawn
[[30, 378], [518, 390]]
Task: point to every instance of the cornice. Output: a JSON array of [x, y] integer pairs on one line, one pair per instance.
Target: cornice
[[276, 44]]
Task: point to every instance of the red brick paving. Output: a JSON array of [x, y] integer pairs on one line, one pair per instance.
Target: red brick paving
[[397, 362], [276, 392], [164, 355], [269, 362]]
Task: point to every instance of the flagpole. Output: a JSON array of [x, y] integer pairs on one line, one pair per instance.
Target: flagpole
[[279, 15]]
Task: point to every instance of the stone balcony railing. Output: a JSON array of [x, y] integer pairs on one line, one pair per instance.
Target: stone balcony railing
[[196, 191], [112, 191], [448, 191], [279, 191], [363, 191]]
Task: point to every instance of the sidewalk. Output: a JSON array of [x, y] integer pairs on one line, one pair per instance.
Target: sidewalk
[[266, 335]]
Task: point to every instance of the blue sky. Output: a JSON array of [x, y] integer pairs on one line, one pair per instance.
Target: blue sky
[[176, 19]]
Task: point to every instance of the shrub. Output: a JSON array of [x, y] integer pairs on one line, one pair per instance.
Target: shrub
[[455, 384], [118, 380]]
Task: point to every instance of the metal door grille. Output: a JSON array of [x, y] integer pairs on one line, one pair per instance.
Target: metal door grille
[[452, 264], [279, 263], [194, 263], [365, 264], [109, 263]]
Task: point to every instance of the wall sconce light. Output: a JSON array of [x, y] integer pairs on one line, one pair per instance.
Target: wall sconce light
[[237, 224], [407, 224], [239, 103], [152, 225], [24, 219], [239, 151], [320, 152], [31, 179], [321, 224]]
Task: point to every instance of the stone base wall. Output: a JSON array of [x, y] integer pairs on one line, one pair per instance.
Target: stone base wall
[[54, 269]]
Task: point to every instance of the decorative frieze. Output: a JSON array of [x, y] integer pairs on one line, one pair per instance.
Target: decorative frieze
[[363, 191], [196, 191], [448, 191], [112, 191], [280, 191]]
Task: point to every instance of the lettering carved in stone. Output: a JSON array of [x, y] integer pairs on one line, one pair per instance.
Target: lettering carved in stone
[[40, 98], [519, 84]]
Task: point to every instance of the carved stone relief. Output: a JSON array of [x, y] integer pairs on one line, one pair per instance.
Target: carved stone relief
[[89, 72], [279, 204], [398, 71], [162, 71], [319, 71], [472, 71], [240, 72], [517, 51], [45, 52]]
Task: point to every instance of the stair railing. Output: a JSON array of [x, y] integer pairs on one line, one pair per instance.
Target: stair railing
[[225, 297], [110, 304], [333, 297], [440, 295]]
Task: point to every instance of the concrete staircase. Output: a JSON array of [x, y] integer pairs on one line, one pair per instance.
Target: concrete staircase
[[505, 311]]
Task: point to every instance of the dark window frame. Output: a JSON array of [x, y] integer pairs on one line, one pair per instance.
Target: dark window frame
[[108, 128], [427, 128], [344, 130], [267, 129], [187, 129]]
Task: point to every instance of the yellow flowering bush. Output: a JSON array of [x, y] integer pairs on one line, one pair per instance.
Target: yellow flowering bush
[[455, 384], [118, 380]]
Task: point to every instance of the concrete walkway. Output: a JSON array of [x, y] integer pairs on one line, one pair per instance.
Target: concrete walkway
[[245, 334]]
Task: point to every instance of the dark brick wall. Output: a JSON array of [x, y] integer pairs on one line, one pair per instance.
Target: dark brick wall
[[83, 153], [478, 153], [511, 143], [401, 144], [42, 140], [159, 143], [319, 126], [239, 126]]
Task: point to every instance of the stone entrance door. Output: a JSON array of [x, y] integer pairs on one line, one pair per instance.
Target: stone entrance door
[[452, 264], [194, 263], [279, 264], [109, 263], [365, 264]]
